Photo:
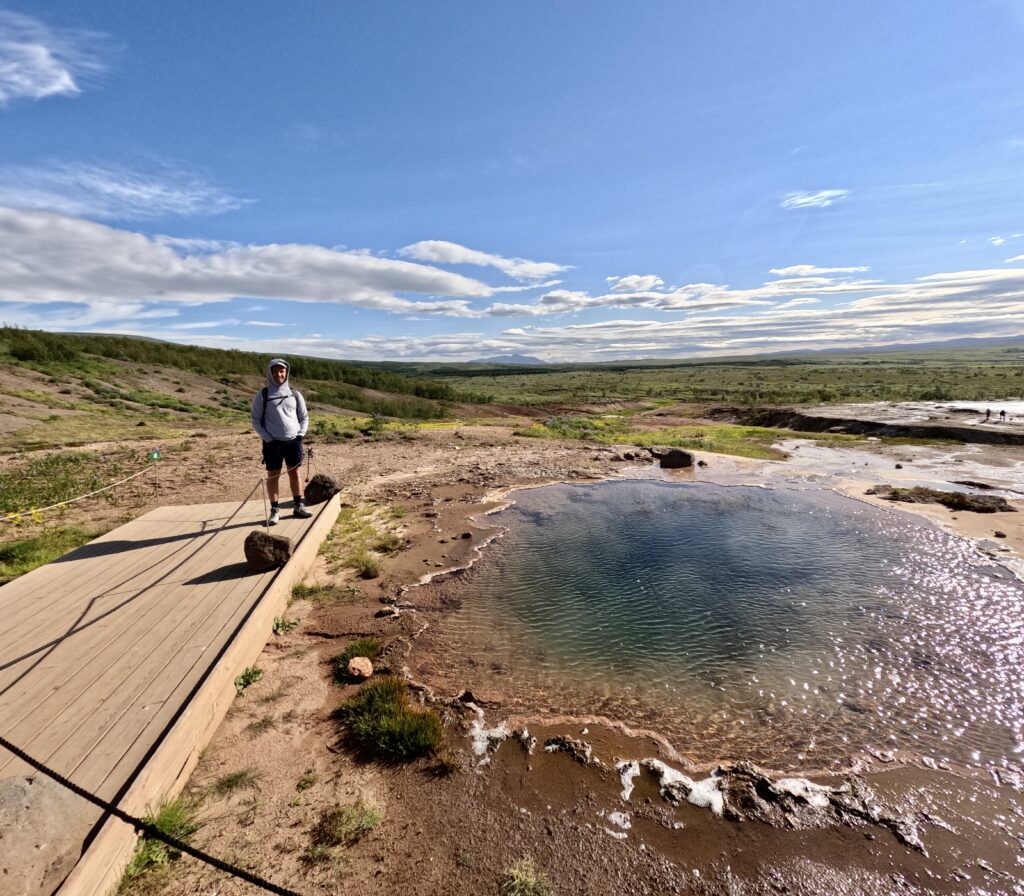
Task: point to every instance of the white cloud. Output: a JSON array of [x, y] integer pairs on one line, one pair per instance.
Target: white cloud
[[266, 323], [997, 240], [37, 61], [816, 199], [795, 303], [46, 257], [444, 252], [113, 192], [1015, 258], [635, 283], [810, 270]]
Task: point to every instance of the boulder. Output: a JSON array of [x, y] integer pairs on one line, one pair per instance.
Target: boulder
[[360, 667], [40, 841], [264, 551], [321, 488], [673, 458]]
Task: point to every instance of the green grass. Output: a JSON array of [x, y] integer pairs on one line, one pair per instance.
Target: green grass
[[176, 819], [525, 879], [369, 647], [365, 564], [380, 723], [20, 557], [49, 480], [345, 825]]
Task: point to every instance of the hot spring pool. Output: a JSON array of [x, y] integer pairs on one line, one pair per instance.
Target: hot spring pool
[[791, 627]]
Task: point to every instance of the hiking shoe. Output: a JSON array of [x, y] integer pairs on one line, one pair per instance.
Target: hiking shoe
[[301, 512], [275, 515]]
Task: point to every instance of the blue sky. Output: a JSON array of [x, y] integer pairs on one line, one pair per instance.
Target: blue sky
[[574, 181]]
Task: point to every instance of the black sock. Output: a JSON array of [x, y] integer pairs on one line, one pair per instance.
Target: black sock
[[297, 499], [274, 505]]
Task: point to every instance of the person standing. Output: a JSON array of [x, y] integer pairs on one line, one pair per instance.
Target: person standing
[[280, 419]]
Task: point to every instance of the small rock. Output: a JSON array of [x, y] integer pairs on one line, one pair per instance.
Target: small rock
[[466, 535], [579, 750], [321, 488], [360, 667], [387, 613], [702, 463], [999, 534], [899, 466], [264, 551], [141, 423]]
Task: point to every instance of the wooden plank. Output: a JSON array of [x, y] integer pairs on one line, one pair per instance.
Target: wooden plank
[[166, 771], [105, 580]]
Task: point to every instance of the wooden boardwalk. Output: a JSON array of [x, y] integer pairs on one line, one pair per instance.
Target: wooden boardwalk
[[117, 662]]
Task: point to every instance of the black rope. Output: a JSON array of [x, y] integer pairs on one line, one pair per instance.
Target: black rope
[[147, 828]]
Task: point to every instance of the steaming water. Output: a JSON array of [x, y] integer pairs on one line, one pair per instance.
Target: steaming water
[[794, 628]]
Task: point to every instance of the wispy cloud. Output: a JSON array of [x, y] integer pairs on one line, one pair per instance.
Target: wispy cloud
[[1015, 258], [997, 240], [810, 270], [814, 199], [635, 283], [111, 192], [444, 252], [37, 61]]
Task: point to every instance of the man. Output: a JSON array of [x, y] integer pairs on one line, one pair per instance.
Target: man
[[279, 417]]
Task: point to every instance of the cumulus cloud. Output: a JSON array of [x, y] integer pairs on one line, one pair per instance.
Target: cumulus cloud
[[1015, 258], [444, 252], [635, 283], [997, 240], [38, 62], [810, 270], [815, 199], [46, 257], [110, 192]]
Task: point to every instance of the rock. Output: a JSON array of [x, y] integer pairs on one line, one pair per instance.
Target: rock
[[578, 750], [999, 534], [672, 458], [952, 500], [141, 423], [466, 535], [39, 843], [899, 466], [702, 463], [264, 551], [360, 667], [321, 488], [387, 613]]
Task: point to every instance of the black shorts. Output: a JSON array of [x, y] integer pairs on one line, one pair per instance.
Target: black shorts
[[275, 453]]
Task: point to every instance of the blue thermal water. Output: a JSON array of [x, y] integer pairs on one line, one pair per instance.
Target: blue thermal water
[[790, 627]]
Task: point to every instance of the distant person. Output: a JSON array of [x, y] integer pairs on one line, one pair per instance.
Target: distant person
[[279, 417], [988, 414], [1002, 416]]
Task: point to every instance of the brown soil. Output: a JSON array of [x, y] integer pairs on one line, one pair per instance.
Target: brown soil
[[456, 826]]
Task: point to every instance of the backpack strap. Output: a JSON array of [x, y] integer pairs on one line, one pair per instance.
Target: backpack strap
[[265, 392]]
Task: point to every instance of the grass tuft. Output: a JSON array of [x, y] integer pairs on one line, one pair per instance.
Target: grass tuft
[[380, 723], [175, 819], [249, 675], [243, 779], [525, 879], [369, 647], [345, 825]]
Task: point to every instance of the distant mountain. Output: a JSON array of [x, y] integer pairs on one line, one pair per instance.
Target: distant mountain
[[509, 359]]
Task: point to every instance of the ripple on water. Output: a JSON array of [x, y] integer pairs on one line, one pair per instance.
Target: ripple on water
[[790, 627]]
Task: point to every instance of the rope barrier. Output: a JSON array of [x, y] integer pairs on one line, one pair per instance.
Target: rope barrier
[[146, 828], [14, 516]]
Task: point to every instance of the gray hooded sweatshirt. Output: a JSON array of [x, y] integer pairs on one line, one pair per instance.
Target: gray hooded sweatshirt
[[285, 416]]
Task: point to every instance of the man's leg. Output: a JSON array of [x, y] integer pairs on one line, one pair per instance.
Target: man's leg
[[293, 481], [273, 488]]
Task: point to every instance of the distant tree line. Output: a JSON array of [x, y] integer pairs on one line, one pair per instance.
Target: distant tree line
[[40, 347]]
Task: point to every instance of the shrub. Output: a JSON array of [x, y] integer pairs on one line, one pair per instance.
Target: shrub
[[369, 647], [381, 724]]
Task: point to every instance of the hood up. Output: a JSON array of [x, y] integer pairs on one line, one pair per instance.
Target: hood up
[[284, 388]]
